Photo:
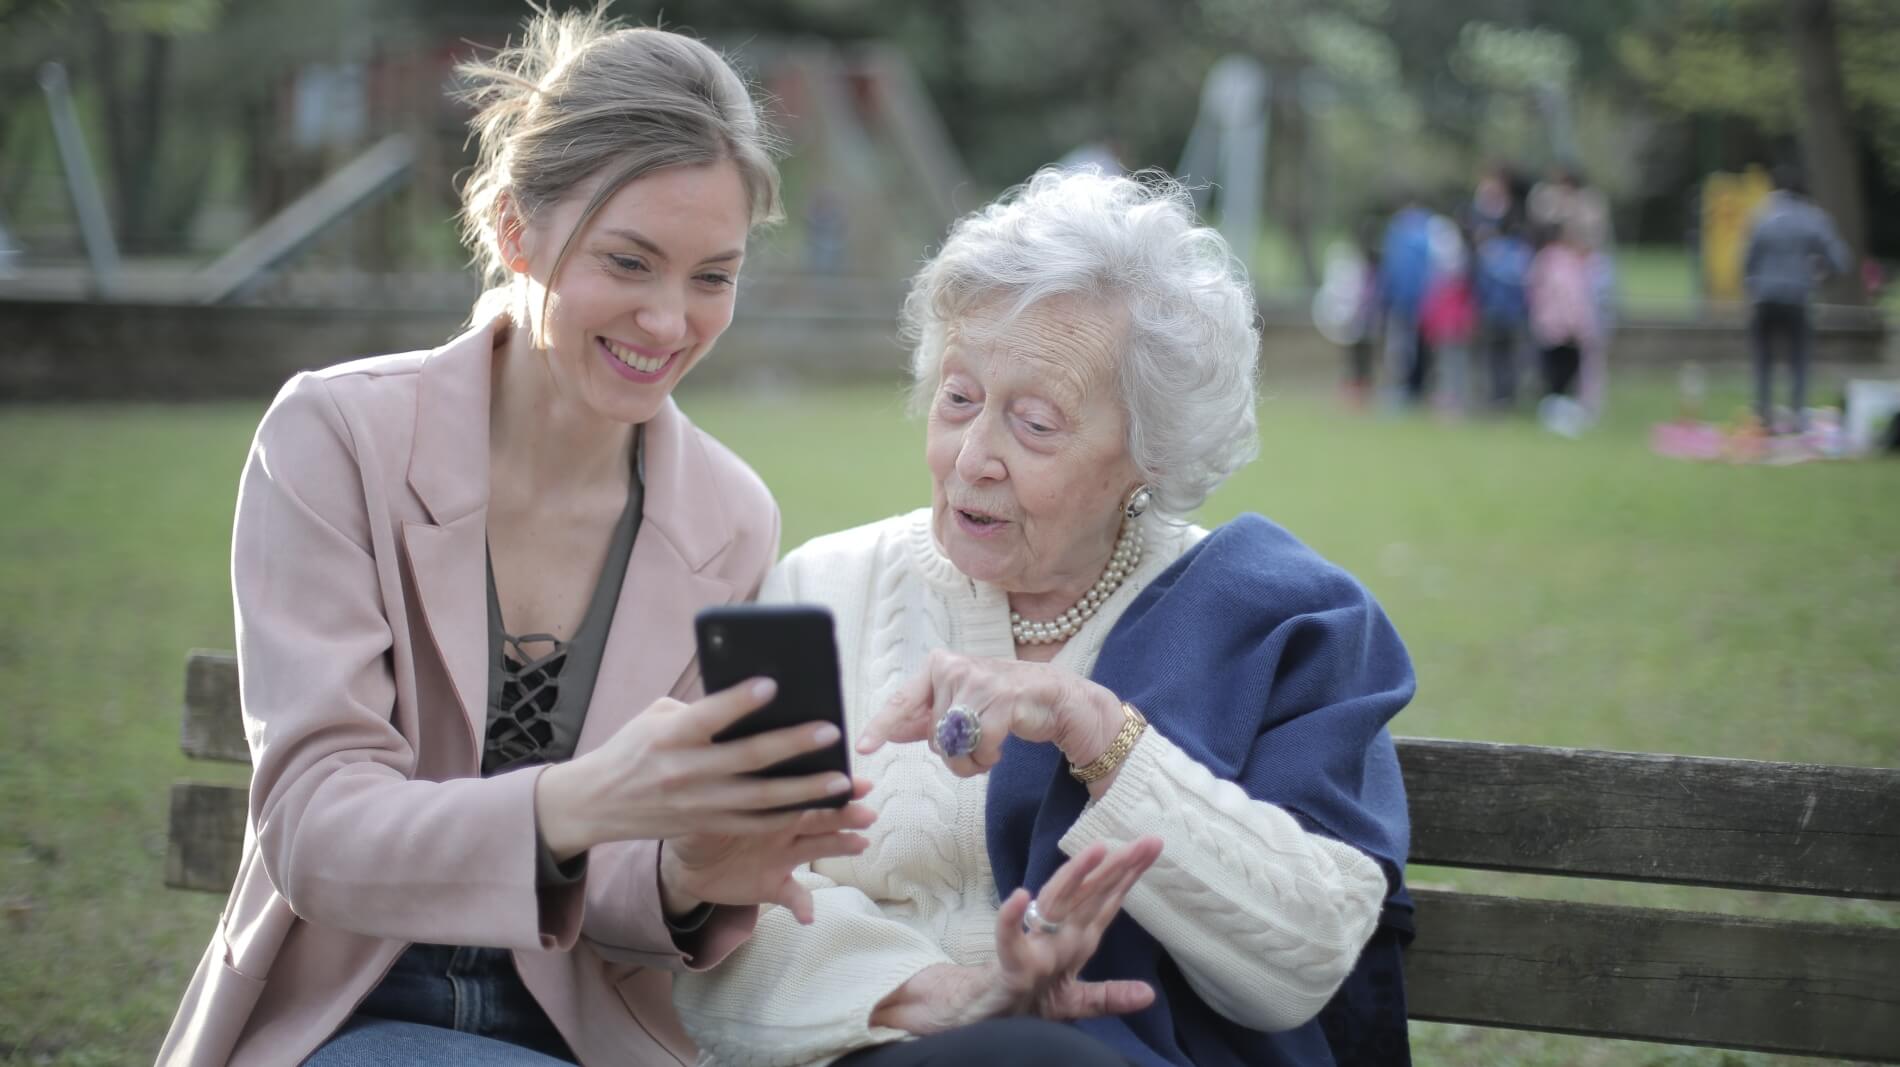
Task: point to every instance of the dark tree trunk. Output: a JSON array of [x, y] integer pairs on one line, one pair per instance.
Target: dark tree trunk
[[131, 84], [144, 123], [1827, 140], [105, 75], [20, 149], [1290, 169]]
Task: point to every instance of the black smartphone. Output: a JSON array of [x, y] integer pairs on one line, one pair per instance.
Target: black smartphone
[[791, 644]]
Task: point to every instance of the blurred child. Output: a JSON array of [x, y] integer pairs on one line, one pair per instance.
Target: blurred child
[[1347, 309], [1448, 317], [1563, 309]]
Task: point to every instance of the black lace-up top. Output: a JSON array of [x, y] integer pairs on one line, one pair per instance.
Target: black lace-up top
[[538, 684]]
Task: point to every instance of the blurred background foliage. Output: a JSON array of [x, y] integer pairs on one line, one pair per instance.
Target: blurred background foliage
[[202, 111]]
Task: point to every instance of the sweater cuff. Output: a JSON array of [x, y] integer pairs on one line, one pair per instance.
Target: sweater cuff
[[1124, 812], [750, 1021]]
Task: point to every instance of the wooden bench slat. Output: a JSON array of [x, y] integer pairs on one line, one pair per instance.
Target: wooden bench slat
[[207, 836], [213, 724], [1634, 973], [1656, 975], [1737, 824]]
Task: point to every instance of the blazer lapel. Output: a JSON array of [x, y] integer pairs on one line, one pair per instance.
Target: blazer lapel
[[450, 568], [650, 644], [448, 469], [683, 528]]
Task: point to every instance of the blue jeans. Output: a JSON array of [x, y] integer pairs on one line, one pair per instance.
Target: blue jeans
[[370, 1042], [1015, 1041], [447, 1004]]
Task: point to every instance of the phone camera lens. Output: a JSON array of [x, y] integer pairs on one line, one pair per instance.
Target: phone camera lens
[[717, 639]]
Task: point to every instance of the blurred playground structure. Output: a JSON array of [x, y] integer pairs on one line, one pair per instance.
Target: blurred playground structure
[[320, 225], [871, 178]]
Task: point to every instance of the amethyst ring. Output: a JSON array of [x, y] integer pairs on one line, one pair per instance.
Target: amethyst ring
[[958, 732]]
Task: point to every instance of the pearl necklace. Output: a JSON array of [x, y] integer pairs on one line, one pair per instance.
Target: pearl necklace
[[1120, 565]]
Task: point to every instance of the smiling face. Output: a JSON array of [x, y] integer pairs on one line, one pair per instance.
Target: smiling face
[[1027, 448], [645, 290]]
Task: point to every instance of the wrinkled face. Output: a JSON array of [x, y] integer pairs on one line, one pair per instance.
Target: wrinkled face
[[646, 289], [1027, 446]]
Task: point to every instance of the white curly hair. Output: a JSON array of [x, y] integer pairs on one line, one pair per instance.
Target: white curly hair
[[1190, 344]]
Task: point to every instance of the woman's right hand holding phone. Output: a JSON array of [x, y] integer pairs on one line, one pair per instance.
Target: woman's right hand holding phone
[[662, 777]]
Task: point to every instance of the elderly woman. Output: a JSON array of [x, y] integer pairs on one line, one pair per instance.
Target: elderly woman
[[1174, 739]]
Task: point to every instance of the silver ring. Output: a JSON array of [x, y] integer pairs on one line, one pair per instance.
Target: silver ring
[[958, 732], [1034, 923]]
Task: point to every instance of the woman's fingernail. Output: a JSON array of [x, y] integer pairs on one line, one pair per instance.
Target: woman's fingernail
[[839, 784], [825, 734], [763, 689]]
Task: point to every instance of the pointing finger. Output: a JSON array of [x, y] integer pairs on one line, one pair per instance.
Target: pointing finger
[[905, 717]]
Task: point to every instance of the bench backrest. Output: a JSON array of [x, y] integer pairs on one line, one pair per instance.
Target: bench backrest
[[1649, 974]]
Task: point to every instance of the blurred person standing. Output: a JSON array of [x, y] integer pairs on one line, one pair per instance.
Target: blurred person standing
[[1494, 203], [1448, 316], [486, 827], [1792, 243], [1564, 200], [1405, 276], [1563, 319], [1346, 309], [1581, 213], [1499, 281]]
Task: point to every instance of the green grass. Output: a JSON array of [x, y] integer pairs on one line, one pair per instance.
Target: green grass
[[1551, 591]]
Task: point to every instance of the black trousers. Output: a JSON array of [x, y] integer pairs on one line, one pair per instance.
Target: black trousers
[[1779, 325], [1419, 374], [1013, 1042], [1561, 364], [1359, 362], [1500, 342]]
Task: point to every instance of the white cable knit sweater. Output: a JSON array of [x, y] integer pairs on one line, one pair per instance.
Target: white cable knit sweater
[[1264, 919]]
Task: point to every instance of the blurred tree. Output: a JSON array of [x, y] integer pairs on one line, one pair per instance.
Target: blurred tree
[[121, 53], [1818, 69], [164, 85], [1827, 140], [132, 47], [193, 95]]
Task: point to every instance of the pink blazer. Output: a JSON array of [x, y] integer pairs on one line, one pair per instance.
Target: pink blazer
[[358, 567]]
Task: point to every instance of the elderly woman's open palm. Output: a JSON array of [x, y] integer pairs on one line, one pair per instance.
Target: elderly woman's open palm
[[1039, 958], [1042, 963]]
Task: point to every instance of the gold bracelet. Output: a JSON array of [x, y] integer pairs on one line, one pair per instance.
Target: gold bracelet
[[1104, 765]]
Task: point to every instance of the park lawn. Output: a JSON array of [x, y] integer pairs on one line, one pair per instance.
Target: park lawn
[[1551, 591]]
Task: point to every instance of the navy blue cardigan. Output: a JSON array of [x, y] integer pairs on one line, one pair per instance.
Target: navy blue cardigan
[[1277, 670]]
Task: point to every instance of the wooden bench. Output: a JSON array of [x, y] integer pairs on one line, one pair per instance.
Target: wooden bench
[[1647, 974]]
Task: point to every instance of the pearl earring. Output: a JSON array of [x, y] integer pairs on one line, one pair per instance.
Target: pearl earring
[[1138, 501]]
